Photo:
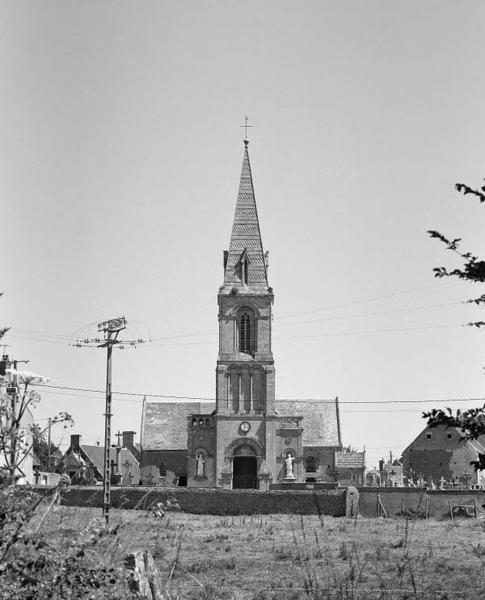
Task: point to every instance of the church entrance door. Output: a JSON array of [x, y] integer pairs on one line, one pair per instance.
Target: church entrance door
[[244, 472]]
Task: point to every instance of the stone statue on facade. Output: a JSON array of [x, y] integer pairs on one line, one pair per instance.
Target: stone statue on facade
[[289, 460], [200, 465]]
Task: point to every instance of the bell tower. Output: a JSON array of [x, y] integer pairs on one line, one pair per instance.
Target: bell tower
[[245, 374], [245, 366]]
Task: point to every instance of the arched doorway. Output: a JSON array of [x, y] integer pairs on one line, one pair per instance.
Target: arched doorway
[[244, 468]]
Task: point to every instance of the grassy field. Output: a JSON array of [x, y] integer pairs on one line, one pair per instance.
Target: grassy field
[[285, 557]]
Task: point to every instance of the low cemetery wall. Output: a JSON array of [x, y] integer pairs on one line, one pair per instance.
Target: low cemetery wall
[[216, 501], [416, 501], [371, 501]]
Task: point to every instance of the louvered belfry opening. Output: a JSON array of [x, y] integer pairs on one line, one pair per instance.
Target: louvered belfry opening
[[246, 337]]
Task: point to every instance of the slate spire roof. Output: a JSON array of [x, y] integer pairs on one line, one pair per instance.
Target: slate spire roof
[[245, 263]]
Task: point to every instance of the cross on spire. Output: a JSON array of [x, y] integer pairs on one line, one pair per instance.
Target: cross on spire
[[246, 128]]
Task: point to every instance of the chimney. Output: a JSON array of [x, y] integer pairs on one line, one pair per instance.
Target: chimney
[[75, 441], [129, 444], [128, 439], [381, 465]]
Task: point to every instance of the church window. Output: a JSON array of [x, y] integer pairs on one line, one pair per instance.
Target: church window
[[162, 470], [310, 464], [246, 327]]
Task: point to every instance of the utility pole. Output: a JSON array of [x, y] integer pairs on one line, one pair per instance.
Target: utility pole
[[111, 330], [13, 392], [49, 445]]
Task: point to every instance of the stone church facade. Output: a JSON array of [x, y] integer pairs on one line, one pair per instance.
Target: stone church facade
[[247, 439]]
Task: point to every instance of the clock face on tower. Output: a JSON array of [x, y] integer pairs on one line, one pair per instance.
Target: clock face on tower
[[245, 427]]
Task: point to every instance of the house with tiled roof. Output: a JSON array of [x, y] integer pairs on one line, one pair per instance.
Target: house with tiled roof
[[84, 463], [441, 454], [350, 467], [246, 438]]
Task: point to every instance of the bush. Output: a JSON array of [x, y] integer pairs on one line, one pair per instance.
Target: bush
[[31, 568]]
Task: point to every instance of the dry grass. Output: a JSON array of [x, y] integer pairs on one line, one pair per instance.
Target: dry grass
[[285, 557]]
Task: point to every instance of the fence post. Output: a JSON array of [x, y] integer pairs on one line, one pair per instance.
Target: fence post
[[380, 510], [144, 577]]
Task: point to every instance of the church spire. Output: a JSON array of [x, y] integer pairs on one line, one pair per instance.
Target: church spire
[[245, 263]]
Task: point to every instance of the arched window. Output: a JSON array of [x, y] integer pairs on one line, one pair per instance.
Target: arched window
[[310, 464], [162, 470], [246, 331]]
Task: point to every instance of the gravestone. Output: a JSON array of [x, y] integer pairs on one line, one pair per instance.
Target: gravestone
[[351, 502]]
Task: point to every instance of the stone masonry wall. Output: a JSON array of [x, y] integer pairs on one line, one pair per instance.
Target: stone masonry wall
[[234, 502], [414, 499], [215, 501]]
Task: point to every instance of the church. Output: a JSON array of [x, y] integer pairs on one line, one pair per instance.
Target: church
[[247, 438]]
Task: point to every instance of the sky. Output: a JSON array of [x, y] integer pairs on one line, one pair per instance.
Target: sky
[[120, 155]]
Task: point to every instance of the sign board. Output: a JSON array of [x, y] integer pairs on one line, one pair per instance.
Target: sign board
[[113, 324]]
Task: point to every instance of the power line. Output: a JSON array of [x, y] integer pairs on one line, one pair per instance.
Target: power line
[[66, 337], [308, 312], [84, 397], [306, 400], [34, 339], [44, 333], [374, 314], [148, 344], [331, 334], [367, 331], [343, 411]]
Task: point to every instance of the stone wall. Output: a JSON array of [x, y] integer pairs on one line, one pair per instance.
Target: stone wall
[[163, 467], [234, 502], [324, 462], [216, 501], [413, 500]]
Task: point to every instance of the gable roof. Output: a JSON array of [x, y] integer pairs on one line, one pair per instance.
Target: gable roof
[[321, 421], [164, 424], [450, 441], [95, 454]]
